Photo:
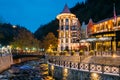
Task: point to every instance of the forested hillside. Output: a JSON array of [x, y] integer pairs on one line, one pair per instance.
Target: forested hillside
[[20, 36], [95, 9]]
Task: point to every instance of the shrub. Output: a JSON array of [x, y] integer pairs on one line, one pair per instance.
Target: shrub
[[81, 52], [65, 52], [72, 53], [91, 52]]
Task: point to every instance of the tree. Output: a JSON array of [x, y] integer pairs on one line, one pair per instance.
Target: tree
[[50, 41], [25, 39]]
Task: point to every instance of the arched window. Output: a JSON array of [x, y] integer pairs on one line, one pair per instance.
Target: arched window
[[66, 20]]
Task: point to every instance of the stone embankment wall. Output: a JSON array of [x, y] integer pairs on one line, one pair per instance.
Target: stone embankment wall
[[5, 62], [62, 73]]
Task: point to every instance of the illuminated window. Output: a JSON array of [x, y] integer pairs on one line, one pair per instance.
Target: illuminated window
[[118, 23], [62, 34], [106, 27], [66, 34], [66, 40], [74, 34], [119, 44]]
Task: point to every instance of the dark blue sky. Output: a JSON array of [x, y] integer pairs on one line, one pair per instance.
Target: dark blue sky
[[32, 13]]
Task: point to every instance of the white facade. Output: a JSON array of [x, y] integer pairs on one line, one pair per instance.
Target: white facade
[[69, 31]]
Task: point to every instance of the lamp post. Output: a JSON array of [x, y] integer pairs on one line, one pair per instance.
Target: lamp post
[[115, 25]]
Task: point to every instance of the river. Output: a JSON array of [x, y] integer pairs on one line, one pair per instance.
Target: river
[[30, 70]]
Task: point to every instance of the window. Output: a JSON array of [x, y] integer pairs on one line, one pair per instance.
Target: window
[[62, 28], [67, 48], [74, 34], [73, 40], [66, 34], [62, 20], [62, 34], [67, 27], [118, 23], [61, 40], [66, 20], [61, 48], [66, 40], [73, 28]]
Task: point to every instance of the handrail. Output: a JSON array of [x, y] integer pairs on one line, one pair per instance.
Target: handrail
[[89, 67]]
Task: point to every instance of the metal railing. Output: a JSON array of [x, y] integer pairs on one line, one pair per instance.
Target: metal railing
[[88, 67]]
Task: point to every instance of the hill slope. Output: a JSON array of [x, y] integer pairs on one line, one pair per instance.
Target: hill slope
[[8, 33], [95, 9]]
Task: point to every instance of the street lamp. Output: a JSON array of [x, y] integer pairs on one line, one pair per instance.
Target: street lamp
[[114, 56], [95, 76]]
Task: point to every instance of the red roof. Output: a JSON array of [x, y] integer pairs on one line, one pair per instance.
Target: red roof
[[90, 24], [66, 9]]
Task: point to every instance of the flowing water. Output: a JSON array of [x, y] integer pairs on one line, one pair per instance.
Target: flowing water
[[30, 70]]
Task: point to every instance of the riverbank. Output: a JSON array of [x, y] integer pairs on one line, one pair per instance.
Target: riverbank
[[29, 70], [5, 62]]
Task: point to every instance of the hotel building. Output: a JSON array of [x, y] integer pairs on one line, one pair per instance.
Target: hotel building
[[69, 30], [105, 34]]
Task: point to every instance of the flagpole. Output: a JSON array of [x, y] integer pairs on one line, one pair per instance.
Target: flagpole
[[115, 25]]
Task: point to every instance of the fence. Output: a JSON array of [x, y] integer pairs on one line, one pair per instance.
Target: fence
[[88, 67]]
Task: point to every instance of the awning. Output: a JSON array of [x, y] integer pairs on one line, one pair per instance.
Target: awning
[[96, 39], [88, 40]]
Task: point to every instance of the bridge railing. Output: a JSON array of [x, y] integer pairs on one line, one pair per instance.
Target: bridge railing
[[89, 67], [26, 53]]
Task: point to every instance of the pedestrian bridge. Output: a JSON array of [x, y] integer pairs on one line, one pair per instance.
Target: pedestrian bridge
[[22, 55]]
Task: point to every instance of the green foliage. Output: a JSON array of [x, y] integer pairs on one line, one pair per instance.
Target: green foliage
[[45, 29], [24, 39], [50, 39], [17, 36], [7, 32], [81, 52], [91, 52], [72, 53]]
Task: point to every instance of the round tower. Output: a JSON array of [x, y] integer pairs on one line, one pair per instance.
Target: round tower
[[68, 23]]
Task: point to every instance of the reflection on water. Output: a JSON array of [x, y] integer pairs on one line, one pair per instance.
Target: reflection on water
[[95, 76], [65, 73], [52, 70]]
